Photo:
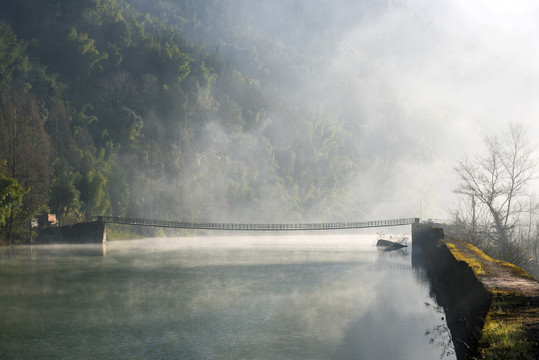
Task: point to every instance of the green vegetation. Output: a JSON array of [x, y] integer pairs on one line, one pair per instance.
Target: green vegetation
[[11, 194], [505, 332], [116, 232], [478, 258], [106, 108]]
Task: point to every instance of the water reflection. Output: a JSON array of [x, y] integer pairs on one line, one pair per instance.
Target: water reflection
[[200, 298], [440, 333]]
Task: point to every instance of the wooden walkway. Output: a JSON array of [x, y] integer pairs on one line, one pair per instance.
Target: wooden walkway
[[257, 227]]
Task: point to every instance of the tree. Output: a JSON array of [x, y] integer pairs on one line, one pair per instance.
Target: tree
[[498, 181], [12, 54], [82, 56], [25, 148], [64, 199], [11, 193]]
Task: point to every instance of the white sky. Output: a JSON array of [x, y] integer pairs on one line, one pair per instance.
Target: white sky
[[469, 70]]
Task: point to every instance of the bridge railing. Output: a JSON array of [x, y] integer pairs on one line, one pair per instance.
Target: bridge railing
[[255, 226]]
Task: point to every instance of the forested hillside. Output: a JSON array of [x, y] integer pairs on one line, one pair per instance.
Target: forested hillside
[[160, 109]]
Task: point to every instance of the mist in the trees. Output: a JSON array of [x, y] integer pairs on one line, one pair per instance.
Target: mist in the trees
[[213, 110]]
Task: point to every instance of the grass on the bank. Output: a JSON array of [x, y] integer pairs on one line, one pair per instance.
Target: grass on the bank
[[504, 333], [123, 232], [505, 340], [115, 232], [516, 270], [475, 264]]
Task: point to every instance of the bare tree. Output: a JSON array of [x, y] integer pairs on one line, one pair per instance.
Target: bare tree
[[470, 220], [498, 181]]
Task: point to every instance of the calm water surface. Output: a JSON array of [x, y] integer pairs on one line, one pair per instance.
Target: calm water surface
[[268, 297]]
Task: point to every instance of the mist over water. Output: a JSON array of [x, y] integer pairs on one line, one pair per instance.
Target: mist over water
[[267, 297]]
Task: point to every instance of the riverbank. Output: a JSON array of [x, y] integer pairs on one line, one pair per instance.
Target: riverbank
[[511, 328], [492, 307]]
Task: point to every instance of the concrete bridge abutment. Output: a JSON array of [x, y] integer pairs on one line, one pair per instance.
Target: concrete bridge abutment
[[94, 232]]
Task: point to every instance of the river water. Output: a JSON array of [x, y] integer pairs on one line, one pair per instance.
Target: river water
[[264, 297]]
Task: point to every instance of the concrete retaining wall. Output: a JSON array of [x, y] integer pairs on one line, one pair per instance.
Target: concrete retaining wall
[[454, 286], [82, 233]]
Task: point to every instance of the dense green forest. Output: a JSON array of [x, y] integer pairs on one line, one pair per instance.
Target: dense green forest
[[163, 109]]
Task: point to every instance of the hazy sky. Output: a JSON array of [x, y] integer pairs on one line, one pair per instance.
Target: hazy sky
[[463, 72]]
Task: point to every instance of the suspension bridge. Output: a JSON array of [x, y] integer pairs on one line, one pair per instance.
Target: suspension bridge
[[95, 230], [255, 226]]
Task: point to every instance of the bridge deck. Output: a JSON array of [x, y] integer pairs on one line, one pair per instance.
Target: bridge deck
[[257, 227]]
